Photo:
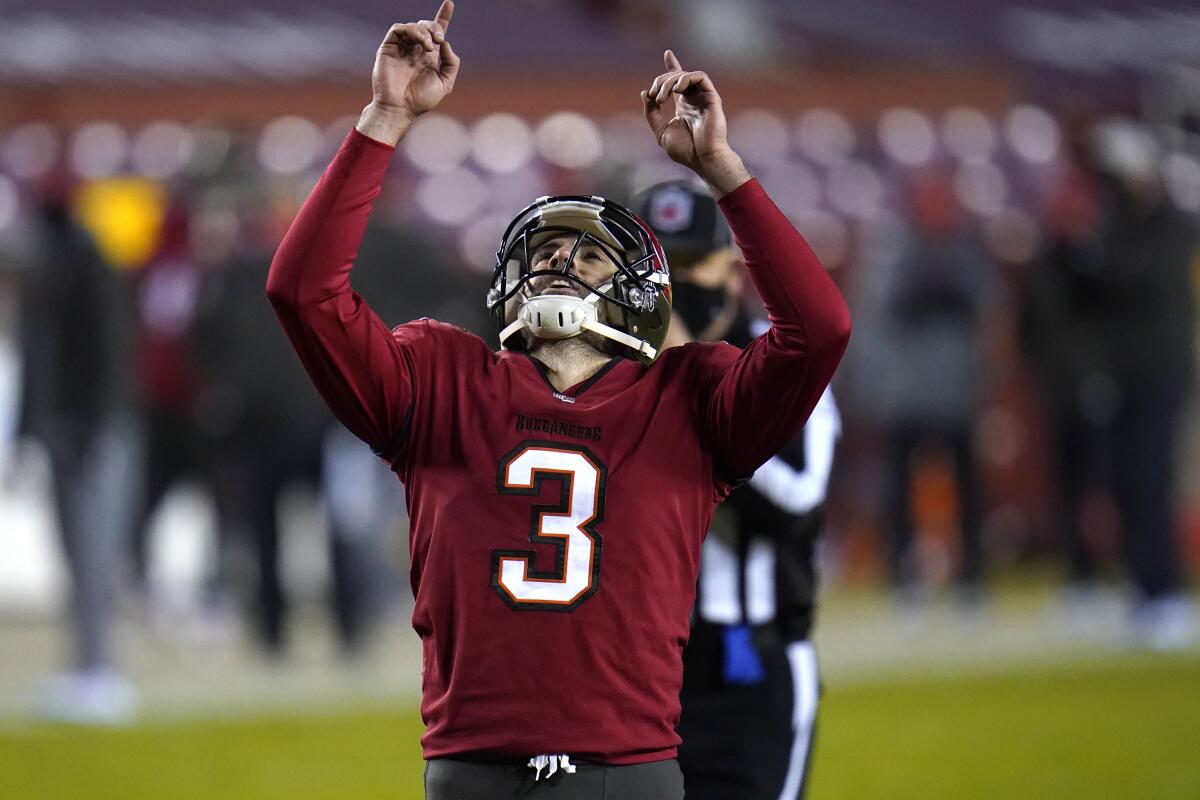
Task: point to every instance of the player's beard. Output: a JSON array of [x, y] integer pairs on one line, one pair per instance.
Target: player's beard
[[589, 339]]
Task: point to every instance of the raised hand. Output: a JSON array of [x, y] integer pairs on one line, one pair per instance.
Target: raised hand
[[415, 69], [685, 113]]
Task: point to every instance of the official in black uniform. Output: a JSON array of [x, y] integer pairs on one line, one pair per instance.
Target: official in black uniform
[[751, 685]]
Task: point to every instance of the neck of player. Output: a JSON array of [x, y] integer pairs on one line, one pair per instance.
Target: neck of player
[[568, 361]]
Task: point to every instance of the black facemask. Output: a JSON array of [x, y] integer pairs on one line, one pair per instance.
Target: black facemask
[[696, 305]]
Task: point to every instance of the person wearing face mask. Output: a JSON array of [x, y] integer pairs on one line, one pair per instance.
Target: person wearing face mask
[[751, 683]]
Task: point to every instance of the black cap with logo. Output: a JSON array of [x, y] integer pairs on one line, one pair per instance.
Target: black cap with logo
[[685, 218]]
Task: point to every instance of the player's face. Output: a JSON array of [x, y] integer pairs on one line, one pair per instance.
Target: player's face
[[591, 265]]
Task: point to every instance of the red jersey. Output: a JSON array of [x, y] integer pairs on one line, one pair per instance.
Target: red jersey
[[555, 536]]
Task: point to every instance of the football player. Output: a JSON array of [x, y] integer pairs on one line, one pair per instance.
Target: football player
[[750, 682], [558, 489]]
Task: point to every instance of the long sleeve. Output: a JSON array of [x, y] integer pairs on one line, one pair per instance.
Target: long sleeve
[[358, 365], [761, 401], [802, 491]]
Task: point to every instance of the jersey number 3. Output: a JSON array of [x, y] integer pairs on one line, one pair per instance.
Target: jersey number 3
[[568, 525]]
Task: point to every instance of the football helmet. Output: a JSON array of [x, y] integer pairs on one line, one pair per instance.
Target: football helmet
[[638, 295]]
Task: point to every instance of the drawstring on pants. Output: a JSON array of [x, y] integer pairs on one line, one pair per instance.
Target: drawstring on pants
[[551, 763]]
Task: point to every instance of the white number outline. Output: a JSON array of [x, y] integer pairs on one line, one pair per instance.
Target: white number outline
[[531, 578]]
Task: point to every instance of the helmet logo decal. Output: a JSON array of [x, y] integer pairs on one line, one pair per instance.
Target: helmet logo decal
[[643, 299]]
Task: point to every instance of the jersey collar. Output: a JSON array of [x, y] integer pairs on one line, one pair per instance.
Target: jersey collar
[[575, 391]]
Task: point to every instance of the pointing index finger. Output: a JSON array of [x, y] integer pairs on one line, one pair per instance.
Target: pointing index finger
[[672, 62], [445, 14]]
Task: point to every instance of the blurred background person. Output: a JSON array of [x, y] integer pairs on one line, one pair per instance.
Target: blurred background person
[[264, 423], [1113, 326], [936, 288], [1061, 332], [169, 381], [75, 352], [751, 682]]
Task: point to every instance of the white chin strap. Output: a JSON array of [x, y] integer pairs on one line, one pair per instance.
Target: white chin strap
[[560, 316]]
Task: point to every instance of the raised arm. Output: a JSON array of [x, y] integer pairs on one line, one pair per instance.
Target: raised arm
[[759, 402], [362, 369]]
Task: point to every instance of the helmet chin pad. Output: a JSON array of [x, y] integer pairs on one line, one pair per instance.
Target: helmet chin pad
[[557, 316]]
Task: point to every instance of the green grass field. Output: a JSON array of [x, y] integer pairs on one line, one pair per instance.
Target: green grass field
[[1125, 728]]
